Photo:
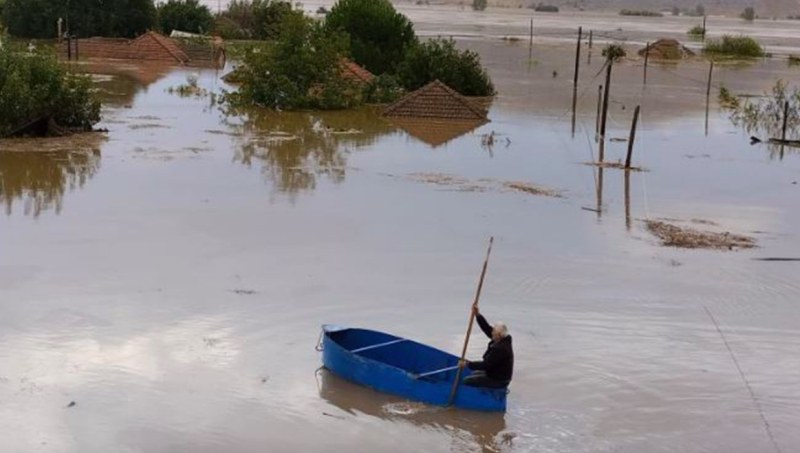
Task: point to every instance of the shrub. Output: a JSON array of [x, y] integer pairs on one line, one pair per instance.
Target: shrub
[[185, 15], [113, 18], [614, 52], [299, 70], [479, 5], [36, 85], [631, 12], [542, 8], [749, 14], [696, 31], [439, 59], [737, 46], [726, 99], [380, 37], [383, 90], [794, 60]]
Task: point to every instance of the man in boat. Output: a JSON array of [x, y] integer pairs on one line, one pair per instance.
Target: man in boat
[[497, 366]]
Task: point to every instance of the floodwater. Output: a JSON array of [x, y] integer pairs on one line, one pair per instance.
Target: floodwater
[[170, 278]]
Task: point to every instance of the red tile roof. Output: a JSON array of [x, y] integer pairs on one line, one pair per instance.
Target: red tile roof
[[436, 100]]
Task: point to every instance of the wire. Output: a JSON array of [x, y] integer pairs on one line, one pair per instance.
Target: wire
[[746, 382]]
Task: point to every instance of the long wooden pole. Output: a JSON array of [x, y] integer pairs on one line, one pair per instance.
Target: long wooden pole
[[646, 57], [575, 80], [604, 113], [469, 327]]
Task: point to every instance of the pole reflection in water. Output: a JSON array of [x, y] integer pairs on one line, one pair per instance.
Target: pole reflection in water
[[468, 429], [628, 200]]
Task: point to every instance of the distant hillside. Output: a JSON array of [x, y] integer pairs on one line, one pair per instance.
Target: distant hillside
[[764, 8]]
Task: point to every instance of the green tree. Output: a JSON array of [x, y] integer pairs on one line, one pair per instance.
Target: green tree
[[301, 69], [439, 59], [749, 14], [259, 19], [32, 86], [185, 15], [479, 5], [380, 36], [83, 18]]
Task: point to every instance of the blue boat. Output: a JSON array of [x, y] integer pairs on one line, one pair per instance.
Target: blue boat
[[402, 367]]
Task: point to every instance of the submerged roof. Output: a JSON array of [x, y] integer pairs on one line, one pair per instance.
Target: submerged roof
[[436, 100], [351, 71]]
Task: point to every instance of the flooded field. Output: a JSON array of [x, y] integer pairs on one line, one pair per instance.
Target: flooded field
[[162, 285]]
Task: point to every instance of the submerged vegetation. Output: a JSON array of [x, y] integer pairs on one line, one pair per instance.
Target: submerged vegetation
[[304, 67], [380, 36], [766, 114], [35, 86], [697, 31], [440, 59], [638, 12], [111, 18], [185, 15], [614, 52], [734, 46]]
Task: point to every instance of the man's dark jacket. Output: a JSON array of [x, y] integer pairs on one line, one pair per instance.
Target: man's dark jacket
[[498, 360]]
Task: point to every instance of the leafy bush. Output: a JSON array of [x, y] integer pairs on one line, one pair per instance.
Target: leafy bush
[[542, 8], [439, 59], [479, 5], [794, 60], [696, 31], [380, 37], [35, 85], [765, 113], [301, 69], [749, 14], [113, 18], [737, 46], [383, 90], [727, 99], [632, 12], [258, 19], [185, 15]]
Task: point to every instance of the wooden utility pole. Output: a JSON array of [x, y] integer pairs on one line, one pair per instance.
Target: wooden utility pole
[[575, 80], [785, 120], [604, 114], [646, 56], [704, 27], [708, 91], [631, 138], [530, 42]]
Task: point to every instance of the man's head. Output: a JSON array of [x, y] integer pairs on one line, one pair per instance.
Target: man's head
[[499, 331]]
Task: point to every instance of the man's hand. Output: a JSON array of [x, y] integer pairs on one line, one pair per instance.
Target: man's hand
[[463, 363], [475, 310]]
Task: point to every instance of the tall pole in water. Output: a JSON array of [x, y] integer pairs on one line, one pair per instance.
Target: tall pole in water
[[604, 115], [575, 80]]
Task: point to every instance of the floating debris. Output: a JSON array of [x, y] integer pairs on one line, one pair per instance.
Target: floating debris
[[71, 404], [532, 189], [483, 185], [684, 237]]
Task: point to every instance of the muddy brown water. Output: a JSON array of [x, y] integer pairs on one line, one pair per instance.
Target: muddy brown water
[[171, 277]]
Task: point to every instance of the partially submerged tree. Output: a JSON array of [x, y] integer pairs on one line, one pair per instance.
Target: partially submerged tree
[[380, 36], [614, 52], [35, 86], [185, 15], [439, 59], [734, 46], [749, 14], [479, 5], [301, 69]]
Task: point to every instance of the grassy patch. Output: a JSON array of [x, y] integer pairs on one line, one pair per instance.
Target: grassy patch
[[696, 32]]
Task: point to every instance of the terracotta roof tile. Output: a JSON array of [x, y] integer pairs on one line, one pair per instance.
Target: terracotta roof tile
[[436, 100]]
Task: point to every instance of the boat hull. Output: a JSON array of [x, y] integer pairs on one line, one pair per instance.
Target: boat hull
[[402, 367]]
